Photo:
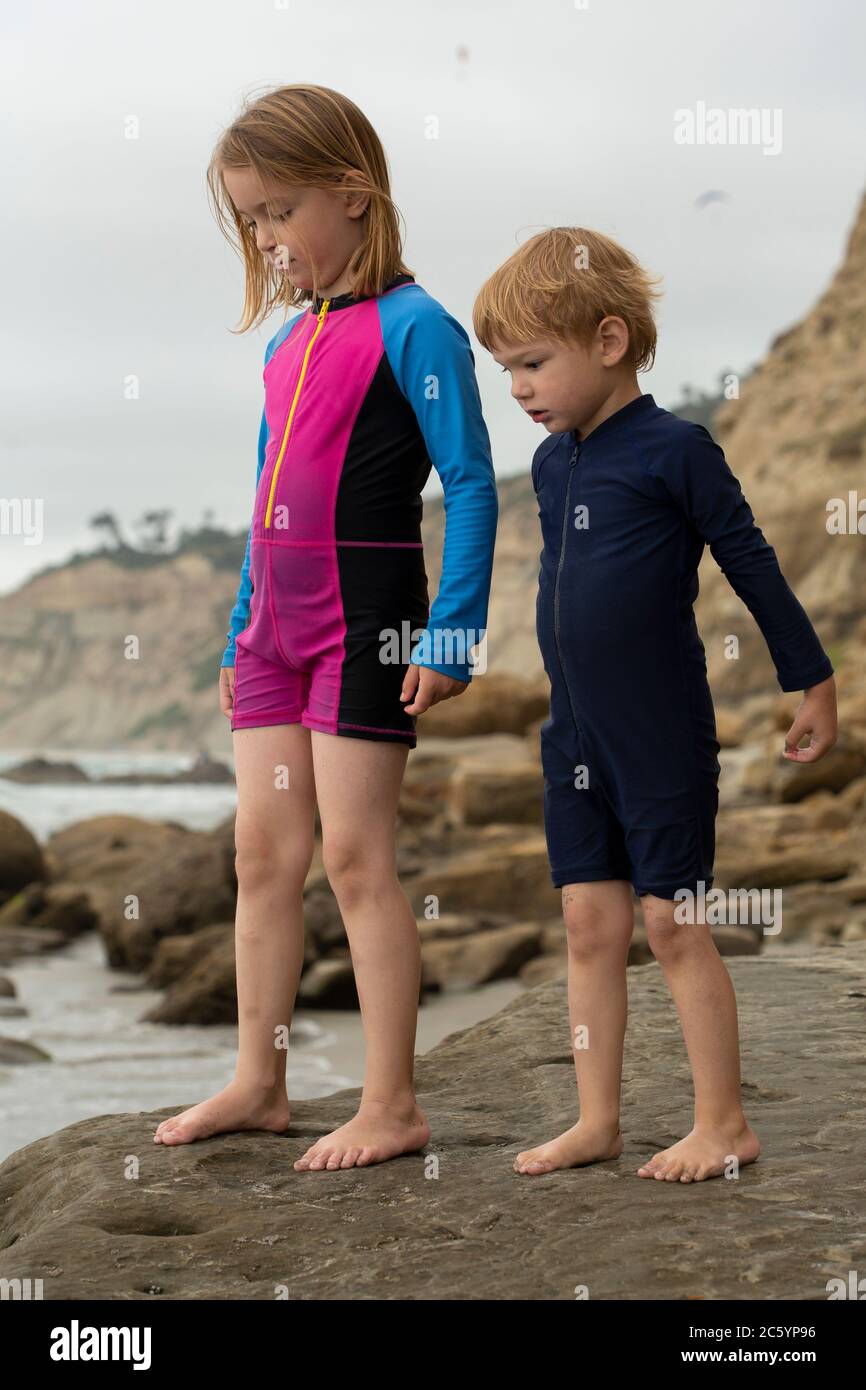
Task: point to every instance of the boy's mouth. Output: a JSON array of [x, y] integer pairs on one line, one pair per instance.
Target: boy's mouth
[[538, 415]]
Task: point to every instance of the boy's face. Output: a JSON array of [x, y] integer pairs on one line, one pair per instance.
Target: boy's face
[[563, 386]]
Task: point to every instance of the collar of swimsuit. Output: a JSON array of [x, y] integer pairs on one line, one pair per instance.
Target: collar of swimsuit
[[624, 416], [345, 301]]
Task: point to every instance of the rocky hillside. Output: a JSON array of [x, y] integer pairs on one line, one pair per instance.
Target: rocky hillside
[[796, 438], [229, 1218]]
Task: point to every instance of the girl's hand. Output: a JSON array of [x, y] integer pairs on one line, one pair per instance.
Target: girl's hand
[[816, 720], [431, 686], [227, 690]]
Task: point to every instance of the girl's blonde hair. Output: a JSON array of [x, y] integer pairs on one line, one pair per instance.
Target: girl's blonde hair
[[314, 136], [560, 284]]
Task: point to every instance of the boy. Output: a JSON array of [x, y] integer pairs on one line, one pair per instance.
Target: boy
[[628, 494]]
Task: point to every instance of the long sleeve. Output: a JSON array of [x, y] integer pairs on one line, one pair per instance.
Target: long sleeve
[[241, 611], [695, 474], [432, 362]]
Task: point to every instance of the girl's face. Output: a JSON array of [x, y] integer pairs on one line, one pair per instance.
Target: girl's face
[[312, 227]]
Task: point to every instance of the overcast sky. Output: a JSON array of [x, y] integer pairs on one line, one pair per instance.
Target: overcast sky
[[550, 112]]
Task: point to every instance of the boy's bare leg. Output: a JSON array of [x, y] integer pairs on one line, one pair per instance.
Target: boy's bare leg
[[707, 1007], [274, 833], [358, 787], [599, 920]]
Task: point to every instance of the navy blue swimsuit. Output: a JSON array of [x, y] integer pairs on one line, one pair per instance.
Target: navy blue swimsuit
[[629, 751]]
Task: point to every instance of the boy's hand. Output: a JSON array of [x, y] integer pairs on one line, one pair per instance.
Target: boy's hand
[[431, 686], [816, 720], [227, 690]]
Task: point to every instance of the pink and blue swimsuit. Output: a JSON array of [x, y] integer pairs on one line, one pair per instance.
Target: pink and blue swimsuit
[[361, 397]]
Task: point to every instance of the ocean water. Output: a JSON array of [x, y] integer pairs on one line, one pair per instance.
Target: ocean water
[[46, 807], [104, 1059]]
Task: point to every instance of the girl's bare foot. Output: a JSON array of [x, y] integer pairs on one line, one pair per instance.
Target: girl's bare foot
[[234, 1108], [577, 1146], [704, 1153], [376, 1133]]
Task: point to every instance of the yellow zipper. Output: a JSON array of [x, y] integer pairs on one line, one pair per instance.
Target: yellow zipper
[[321, 320]]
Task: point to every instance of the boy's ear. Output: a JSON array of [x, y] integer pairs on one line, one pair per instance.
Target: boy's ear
[[613, 335]]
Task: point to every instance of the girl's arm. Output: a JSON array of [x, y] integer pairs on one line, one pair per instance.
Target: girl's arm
[[433, 366], [241, 611]]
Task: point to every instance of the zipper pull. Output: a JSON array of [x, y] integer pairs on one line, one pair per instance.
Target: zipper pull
[[323, 310]]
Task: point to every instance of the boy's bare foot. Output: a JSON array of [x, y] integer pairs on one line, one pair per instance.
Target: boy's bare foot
[[577, 1146], [236, 1107], [376, 1133], [704, 1153]]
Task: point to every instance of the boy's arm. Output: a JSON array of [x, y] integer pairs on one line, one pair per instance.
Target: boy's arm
[[697, 476], [241, 611], [433, 365]]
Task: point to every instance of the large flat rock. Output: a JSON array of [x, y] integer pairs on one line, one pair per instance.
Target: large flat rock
[[229, 1218]]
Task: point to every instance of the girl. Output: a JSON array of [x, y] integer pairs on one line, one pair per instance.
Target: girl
[[364, 388]]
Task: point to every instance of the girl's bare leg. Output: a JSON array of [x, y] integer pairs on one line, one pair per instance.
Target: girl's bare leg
[[274, 833], [707, 1007], [358, 786], [599, 920]]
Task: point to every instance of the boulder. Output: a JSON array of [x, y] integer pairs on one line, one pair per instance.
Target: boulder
[[491, 704], [454, 1222], [21, 859], [465, 962], [57, 907]]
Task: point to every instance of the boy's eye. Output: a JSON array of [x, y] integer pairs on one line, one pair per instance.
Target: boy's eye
[[528, 364]]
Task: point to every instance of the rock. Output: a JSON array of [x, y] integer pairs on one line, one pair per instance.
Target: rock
[[9, 1009], [207, 993], [7, 988], [729, 728], [467, 961], [329, 984], [456, 924], [36, 770], [510, 876], [771, 867], [148, 880], [15, 1053], [843, 764], [176, 955], [21, 859], [28, 941], [543, 968], [59, 907], [491, 704], [455, 1222], [511, 793]]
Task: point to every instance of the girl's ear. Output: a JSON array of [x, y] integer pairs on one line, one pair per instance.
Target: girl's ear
[[352, 189]]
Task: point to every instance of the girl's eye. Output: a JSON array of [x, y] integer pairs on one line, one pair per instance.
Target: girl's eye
[[280, 217]]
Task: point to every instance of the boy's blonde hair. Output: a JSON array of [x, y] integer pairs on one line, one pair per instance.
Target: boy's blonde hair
[[560, 284], [308, 135]]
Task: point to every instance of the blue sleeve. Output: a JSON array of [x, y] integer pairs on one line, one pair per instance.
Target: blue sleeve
[[433, 365], [241, 611], [696, 475]]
